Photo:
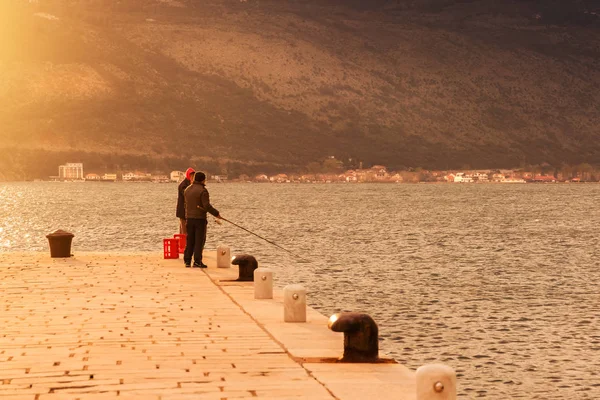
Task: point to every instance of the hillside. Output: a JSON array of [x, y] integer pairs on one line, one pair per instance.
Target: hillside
[[265, 85]]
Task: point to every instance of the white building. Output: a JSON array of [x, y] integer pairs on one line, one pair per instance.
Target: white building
[[129, 176], [497, 177], [160, 178], [463, 178], [380, 172], [92, 177], [480, 177], [70, 171], [137, 176], [109, 177], [177, 176]]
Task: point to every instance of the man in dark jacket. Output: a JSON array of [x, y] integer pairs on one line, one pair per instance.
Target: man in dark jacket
[[197, 205], [181, 201]]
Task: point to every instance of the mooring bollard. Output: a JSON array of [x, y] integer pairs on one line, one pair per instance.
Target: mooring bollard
[[223, 257], [60, 243], [361, 336], [247, 265], [263, 283], [294, 303], [436, 382]]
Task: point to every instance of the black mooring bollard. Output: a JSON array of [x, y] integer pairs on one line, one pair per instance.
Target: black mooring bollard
[[361, 336], [60, 243], [247, 264]]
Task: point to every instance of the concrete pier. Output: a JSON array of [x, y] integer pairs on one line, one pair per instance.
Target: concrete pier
[[136, 326]]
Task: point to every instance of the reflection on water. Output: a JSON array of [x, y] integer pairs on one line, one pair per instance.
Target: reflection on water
[[498, 281]]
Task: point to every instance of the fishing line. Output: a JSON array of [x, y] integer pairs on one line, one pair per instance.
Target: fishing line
[[265, 239]]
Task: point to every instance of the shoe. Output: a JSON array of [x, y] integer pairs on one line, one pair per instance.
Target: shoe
[[187, 265], [201, 265]]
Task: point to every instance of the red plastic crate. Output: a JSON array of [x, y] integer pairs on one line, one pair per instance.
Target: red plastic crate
[[181, 238], [171, 248]]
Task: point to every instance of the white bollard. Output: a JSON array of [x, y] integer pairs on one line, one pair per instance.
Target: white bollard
[[294, 303], [223, 257], [263, 283], [436, 382]]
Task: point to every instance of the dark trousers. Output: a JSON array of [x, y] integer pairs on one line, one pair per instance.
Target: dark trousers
[[196, 237]]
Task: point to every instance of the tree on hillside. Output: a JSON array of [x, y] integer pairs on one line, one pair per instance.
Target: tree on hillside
[[546, 169], [313, 167], [585, 171], [331, 165], [566, 171]]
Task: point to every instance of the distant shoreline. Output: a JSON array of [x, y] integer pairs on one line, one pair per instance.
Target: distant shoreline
[[310, 182]]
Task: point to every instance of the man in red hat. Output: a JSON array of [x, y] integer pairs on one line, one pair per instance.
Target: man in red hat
[[181, 200]]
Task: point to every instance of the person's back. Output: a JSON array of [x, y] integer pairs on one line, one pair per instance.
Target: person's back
[[193, 202], [197, 202]]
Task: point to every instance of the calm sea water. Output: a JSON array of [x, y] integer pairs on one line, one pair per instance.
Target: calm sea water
[[501, 282]]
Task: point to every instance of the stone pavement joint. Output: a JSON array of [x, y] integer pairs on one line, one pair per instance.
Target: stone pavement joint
[[309, 373]]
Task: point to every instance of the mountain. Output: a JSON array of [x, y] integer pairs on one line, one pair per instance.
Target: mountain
[[257, 85]]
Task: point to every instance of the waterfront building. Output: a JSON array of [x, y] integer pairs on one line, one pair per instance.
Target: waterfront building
[[70, 171], [162, 178], [279, 178], [92, 177], [498, 177], [128, 176], [397, 177], [177, 176], [362, 175], [219, 178], [349, 176], [137, 176], [544, 178], [378, 172], [480, 177], [261, 178], [109, 177], [512, 179], [463, 178]]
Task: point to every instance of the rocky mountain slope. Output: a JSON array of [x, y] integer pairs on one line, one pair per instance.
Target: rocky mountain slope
[[256, 85]]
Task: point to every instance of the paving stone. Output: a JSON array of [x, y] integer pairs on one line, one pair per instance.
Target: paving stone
[[136, 326]]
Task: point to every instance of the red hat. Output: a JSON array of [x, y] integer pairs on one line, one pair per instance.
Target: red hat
[[189, 172]]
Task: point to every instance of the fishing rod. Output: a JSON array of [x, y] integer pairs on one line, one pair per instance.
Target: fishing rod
[[265, 239]]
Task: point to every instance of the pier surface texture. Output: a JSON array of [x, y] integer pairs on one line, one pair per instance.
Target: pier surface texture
[[136, 326]]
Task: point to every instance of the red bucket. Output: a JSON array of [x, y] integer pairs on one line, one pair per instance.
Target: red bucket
[[171, 248], [181, 238]]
